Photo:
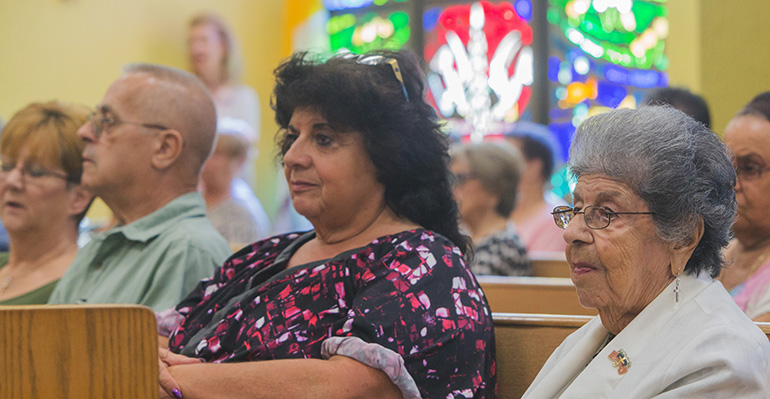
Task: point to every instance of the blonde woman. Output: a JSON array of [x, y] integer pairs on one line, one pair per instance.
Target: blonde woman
[[42, 200]]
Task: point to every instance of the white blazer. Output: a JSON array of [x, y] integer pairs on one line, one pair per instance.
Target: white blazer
[[704, 346]]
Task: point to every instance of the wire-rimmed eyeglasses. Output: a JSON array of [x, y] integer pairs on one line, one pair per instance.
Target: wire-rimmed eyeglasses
[[596, 217], [378, 59], [99, 121], [32, 171]]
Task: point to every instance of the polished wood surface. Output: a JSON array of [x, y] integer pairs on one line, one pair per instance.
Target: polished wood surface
[[549, 264], [523, 343], [77, 352], [548, 295]]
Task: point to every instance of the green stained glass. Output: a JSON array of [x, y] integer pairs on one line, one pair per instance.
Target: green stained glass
[[369, 32]]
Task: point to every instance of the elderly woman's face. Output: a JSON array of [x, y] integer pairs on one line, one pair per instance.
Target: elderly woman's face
[[332, 180], [748, 137], [623, 266], [473, 200]]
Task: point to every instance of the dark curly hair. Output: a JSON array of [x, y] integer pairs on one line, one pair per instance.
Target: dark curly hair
[[400, 130]]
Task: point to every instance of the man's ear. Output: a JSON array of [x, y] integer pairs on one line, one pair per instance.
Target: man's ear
[[167, 149], [79, 200], [681, 252]]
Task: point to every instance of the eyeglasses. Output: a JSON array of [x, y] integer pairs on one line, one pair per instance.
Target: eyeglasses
[[596, 217], [99, 121], [461, 178], [378, 59], [32, 171], [750, 171]]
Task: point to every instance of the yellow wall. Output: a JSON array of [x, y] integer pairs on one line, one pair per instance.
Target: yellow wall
[[734, 55], [72, 50], [719, 49]]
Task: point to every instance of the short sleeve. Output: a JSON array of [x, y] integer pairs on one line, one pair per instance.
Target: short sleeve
[[422, 302], [178, 272]]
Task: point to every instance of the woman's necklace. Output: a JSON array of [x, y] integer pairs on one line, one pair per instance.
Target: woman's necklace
[[760, 261], [5, 283]]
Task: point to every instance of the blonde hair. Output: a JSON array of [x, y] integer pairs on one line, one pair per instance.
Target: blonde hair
[[231, 63], [49, 132]]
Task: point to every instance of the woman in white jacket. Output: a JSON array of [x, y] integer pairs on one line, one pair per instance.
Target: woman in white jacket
[[655, 199]]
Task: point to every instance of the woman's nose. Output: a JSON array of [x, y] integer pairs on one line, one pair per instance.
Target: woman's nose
[[296, 155], [14, 178], [577, 231]]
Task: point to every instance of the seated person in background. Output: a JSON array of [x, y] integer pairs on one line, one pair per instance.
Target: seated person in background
[[377, 301], [748, 274], [144, 149], [42, 200], [486, 176], [684, 100], [532, 213], [238, 221], [652, 211]]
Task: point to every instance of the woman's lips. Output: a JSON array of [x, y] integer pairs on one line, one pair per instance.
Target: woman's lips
[[298, 186], [12, 205], [581, 268]]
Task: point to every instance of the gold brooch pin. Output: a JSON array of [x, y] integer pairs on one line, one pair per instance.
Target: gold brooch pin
[[620, 360]]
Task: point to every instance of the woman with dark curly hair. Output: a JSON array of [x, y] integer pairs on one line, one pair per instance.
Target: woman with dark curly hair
[[377, 300]]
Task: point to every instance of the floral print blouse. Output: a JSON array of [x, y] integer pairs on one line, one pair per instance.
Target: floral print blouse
[[406, 304]]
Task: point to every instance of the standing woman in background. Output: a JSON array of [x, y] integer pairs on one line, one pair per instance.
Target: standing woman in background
[[748, 276], [215, 59], [42, 200]]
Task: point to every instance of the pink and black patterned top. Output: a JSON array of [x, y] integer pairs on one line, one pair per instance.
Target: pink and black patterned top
[[406, 304]]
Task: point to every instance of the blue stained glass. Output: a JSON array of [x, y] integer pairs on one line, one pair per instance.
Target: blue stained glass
[[336, 5], [558, 113], [430, 19], [563, 133], [610, 94], [644, 79], [524, 9], [553, 68]]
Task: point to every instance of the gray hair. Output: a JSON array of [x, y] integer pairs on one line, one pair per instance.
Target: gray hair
[[679, 167], [498, 167]]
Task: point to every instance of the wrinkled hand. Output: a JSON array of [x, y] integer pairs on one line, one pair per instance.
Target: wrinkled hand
[[169, 388]]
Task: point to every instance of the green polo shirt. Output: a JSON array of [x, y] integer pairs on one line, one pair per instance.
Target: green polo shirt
[[154, 261]]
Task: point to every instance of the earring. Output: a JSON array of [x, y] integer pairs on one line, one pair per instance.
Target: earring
[[676, 289]]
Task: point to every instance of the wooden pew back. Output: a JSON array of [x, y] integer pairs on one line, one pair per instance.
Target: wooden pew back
[[549, 295], [549, 264], [523, 344], [78, 351]]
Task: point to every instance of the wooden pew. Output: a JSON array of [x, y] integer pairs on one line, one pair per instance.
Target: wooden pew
[[549, 295], [78, 351], [549, 264], [523, 344]]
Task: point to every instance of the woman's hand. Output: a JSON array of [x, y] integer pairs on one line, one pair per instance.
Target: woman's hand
[[168, 387]]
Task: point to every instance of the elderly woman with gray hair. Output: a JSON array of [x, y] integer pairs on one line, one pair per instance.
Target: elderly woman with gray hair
[[652, 210], [486, 179]]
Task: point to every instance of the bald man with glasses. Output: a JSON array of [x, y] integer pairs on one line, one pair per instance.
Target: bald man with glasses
[[145, 145]]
